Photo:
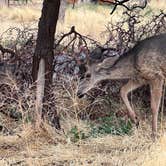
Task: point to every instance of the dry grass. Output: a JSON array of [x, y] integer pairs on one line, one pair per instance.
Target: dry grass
[[89, 19], [92, 20], [20, 14], [40, 147], [46, 146]]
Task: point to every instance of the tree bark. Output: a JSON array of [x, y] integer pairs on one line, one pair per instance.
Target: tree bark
[[45, 42]]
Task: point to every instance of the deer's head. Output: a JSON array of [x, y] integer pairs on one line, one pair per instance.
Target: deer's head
[[7, 69], [97, 69]]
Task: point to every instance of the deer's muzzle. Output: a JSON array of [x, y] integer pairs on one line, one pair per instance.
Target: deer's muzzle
[[80, 95]]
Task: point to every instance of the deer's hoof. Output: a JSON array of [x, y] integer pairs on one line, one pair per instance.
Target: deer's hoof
[[137, 121]]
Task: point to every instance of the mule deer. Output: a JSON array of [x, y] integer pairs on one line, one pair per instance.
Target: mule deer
[[143, 64], [7, 70]]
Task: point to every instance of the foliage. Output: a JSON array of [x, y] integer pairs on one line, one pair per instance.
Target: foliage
[[111, 125], [106, 125], [75, 134]]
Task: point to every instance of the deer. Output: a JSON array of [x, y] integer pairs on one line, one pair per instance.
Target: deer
[[144, 64], [9, 63], [7, 70]]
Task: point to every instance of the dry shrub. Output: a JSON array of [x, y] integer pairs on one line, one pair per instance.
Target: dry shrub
[[63, 93], [132, 28]]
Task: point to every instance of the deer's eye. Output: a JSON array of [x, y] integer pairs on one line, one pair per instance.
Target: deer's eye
[[88, 75], [82, 77]]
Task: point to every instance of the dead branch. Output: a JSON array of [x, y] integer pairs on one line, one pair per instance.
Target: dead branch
[[122, 3], [76, 34], [122, 38]]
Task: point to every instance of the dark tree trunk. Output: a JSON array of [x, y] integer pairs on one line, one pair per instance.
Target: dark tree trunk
[[45, 41]]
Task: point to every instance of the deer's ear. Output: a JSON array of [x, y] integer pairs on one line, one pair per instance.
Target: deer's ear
[[106, 64], [82, 68], [105, 52], [96, 54]]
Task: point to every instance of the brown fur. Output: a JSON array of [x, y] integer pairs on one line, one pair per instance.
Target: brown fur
[[144, 64]]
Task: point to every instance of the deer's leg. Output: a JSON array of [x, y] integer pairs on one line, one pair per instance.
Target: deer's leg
[[130, 86], [156, 87]]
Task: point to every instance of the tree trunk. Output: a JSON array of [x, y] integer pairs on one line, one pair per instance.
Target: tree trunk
[[45, 43], [3, 3]]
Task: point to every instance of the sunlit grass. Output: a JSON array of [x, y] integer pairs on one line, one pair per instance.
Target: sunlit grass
[[92, 19], [88, 19], [19, 14]]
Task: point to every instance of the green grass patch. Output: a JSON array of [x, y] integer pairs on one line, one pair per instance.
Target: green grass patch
[[111, 125], [103, 126]]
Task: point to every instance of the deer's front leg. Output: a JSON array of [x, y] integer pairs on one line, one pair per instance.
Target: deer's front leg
[[129, 87], [156, 87]]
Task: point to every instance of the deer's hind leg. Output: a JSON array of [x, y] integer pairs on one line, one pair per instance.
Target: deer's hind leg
[[125, 90], [156, 87]]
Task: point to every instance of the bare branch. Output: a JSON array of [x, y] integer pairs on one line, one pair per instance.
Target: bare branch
[[76, 34], [122, 3]]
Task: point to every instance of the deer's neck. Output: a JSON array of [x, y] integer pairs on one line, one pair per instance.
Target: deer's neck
[[124, 68]]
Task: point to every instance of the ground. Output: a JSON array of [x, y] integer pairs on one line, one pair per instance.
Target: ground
[[46, 146]]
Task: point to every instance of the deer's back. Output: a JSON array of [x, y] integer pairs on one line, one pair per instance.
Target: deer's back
[[150, 57]]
